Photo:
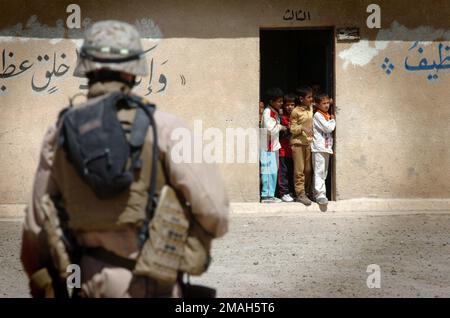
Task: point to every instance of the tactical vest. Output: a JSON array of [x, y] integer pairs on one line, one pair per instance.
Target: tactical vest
[[86, 211], [176, 241]]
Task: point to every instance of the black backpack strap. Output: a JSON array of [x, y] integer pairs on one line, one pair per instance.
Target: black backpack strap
[[138, 133], [148, 109]]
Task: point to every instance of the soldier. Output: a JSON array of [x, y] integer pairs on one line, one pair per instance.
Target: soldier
[[107, 231]]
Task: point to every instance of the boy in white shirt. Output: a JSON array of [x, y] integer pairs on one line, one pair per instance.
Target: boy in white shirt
[[322, 146], [269, 154]]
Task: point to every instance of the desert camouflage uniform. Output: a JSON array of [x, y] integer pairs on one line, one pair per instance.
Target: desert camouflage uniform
[[200, 184]]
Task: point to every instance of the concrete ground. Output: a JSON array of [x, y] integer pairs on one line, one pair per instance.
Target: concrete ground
[[306, 254]]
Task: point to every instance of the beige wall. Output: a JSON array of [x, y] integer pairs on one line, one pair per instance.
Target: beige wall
[[393, 135]]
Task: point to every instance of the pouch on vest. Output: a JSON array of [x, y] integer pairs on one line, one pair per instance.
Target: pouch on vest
[[54, 233], [96, 144], [52, 280], [171, 246]]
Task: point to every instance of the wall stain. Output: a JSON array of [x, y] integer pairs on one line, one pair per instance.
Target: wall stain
[[362, 161]]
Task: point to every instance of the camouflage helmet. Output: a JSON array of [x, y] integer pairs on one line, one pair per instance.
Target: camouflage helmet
[[111, 45]]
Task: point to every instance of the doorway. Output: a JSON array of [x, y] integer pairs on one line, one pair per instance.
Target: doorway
[[290, 58]]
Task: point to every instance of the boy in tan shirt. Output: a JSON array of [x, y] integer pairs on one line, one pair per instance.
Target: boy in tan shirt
[[302, 135]]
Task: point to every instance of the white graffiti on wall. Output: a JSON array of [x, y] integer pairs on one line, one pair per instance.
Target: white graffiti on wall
[[34, 29], [361, 53]]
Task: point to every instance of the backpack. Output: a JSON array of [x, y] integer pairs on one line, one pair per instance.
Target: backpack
[[96, 145]]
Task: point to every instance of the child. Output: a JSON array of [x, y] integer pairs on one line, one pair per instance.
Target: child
[[261, 110], [269, 152], [301, 137], [322, 146], [316, 90], [285, 171]]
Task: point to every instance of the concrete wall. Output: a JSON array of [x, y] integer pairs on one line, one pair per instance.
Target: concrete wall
[[393, 135]]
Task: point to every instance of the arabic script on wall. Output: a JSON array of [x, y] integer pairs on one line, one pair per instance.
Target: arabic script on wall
[[296, 15], [431, 61], [47, 70]]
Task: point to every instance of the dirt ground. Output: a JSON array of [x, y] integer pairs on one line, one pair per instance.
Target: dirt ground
[[306, 255]]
